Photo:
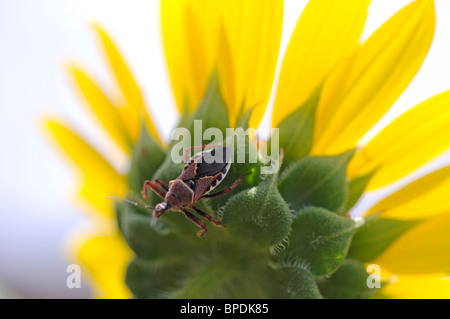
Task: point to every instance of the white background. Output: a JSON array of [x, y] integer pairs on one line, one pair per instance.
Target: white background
[[37, 39]]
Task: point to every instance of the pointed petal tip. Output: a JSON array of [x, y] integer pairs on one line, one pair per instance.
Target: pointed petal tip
[[96, 27], [49, 122], [369, 98]]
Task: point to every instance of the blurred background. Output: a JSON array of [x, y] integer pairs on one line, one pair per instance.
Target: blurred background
[[38, 38]]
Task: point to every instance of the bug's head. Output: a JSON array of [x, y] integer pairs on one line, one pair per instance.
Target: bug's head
[[160, 209]]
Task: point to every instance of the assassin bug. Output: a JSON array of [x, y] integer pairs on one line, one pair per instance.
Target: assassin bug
[[199, 177]]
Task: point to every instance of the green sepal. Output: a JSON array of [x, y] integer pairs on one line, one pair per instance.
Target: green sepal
[[244, 121], [148, 237], [376, 235], [153, 279], [317, 181], [227, 276], [213, 270], [292, 282], [146, 157], [259, 215], [212, 111], [356, 187], [296, 130], [319, 239], [348, 282]]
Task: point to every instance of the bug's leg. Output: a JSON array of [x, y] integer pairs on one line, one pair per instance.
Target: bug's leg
[[226, 190], [196, 221], [206, 216], [162, 184], [155, 188]]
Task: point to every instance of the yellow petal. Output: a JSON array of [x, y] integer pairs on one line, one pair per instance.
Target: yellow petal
[[105, 258], [423, 198], [226, 70], [424, 249], [326, 32], [418, 287], [359, 92], [407, 143], [253, 28], [135, 106], [190, 30], [104, 110], [193, 32], [101, 179], [96, 191]]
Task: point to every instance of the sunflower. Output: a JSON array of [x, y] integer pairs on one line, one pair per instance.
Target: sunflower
[[331, 90]]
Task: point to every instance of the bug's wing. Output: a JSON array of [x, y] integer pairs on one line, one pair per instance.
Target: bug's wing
[[192, 160], [213, 162], [203, 185]]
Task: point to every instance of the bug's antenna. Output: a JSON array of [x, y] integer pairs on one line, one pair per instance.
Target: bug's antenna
[[131, 202]]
